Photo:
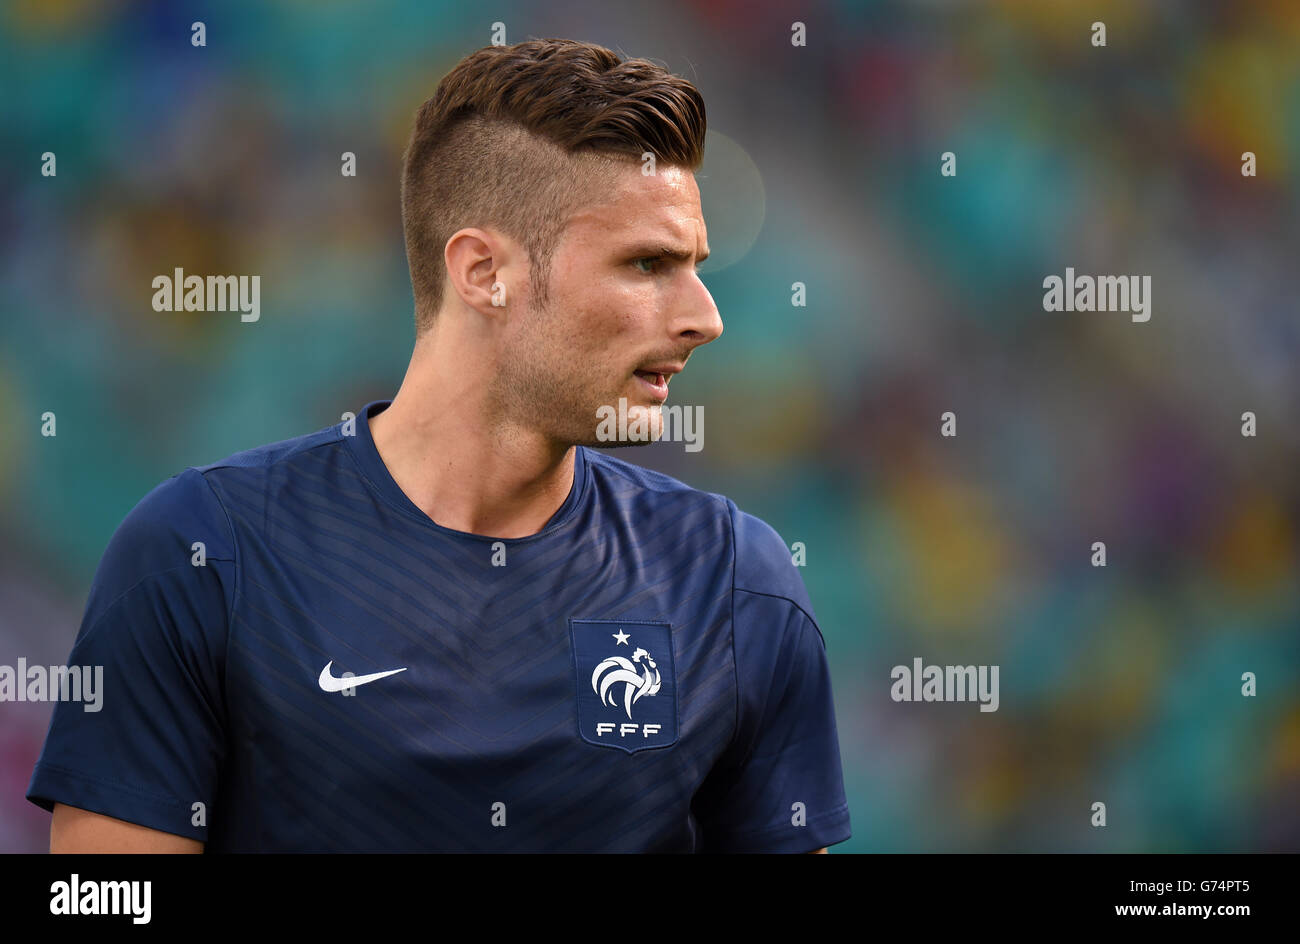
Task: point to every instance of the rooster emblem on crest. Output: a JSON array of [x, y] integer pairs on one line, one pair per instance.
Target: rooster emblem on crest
[[617, 669]]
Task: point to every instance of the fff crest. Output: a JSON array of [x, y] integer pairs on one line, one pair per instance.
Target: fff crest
[[627, 688]]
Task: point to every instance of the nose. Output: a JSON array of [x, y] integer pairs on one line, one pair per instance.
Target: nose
[[699, 322]]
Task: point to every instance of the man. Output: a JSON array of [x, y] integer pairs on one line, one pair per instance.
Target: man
[[448, 623]]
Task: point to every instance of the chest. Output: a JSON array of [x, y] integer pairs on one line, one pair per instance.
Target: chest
[[439, 718]]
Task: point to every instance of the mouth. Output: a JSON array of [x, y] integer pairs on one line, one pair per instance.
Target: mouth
[[656, 382]]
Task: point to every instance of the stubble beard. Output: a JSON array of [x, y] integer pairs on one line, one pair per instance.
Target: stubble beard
[[542, 387]]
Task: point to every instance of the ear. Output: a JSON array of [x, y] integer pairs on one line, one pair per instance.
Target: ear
[[484, 267]]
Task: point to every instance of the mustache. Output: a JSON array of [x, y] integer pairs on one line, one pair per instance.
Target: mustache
[[667, 359]]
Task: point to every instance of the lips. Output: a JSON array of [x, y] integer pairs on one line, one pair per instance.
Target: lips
[[656, 383]]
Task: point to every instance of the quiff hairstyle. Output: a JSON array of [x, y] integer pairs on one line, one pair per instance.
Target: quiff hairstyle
[[521, 137]]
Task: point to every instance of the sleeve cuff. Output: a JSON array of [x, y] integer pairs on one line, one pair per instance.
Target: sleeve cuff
[[824, 830], [51, 784]]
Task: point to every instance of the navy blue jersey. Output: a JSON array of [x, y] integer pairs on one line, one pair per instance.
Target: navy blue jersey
[[298, 659]]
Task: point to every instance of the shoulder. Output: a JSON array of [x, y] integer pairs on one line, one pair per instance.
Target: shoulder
[[165, 528], [265, 458], [653, 495], [764, 563], [160, 531], [189, 502], [621, 473], [761, 558], [768, 585], [167, 572], [250, 482]]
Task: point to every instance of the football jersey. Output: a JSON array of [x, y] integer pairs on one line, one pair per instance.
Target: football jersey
[[296, 658]]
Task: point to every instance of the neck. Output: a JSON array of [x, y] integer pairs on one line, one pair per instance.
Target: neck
[[457, 458]]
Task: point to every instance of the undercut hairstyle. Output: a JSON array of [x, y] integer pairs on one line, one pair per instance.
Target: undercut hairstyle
[[521, 137]]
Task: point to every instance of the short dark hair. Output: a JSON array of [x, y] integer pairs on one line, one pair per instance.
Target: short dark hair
[[515, 137]]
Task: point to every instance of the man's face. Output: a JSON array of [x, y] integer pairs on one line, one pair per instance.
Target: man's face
[[619, 307]]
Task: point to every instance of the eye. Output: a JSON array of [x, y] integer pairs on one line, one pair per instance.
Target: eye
[[651, 259]]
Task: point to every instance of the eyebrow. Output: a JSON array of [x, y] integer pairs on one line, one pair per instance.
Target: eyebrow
[[657, 249]]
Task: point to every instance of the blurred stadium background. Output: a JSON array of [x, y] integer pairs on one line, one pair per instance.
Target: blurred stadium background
[[1118, 684]]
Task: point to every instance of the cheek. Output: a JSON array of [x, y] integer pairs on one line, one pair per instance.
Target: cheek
[[608, 313]]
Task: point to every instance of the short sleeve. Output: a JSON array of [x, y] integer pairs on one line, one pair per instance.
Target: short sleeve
[[145, 742], [779, 787]]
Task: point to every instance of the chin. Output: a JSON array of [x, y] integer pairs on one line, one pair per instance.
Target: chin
[[627, 421]]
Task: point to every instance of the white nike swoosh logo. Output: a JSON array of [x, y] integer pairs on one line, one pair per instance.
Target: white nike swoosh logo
[[331, 684]]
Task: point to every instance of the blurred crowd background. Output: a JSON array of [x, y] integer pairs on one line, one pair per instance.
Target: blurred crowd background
[[1119, 684]]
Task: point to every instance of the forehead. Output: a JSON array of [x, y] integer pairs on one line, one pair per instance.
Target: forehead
[[665, 204]]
